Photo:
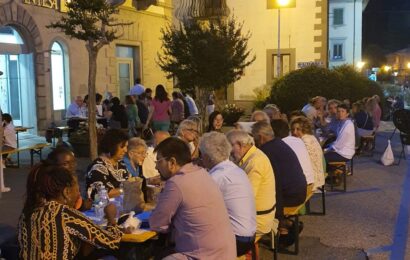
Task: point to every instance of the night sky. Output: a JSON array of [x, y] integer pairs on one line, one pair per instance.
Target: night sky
[[386, 23]]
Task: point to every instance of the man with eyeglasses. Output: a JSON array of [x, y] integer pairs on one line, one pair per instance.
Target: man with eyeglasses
[[190, 207]]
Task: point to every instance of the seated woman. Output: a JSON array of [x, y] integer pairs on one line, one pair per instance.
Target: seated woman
[[188, 132], [363, 119], [134, 158], [215, 121], [65, 158], [343, 148], [302, 127], [108, 169], [48, 215]]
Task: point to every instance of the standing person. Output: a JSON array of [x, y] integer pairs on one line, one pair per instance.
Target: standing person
[[260, 173], [98, 100], [376, 111], [148, 96], [177, 107], [160, 110], [132, 114], [50, 228], [215, 122], [193, 109], [190, 207], [108, 169], [186, 107], [235, 187], [119, 117], [137, 89], [210, 106], [9, 137], [74, 109], [143, 110]]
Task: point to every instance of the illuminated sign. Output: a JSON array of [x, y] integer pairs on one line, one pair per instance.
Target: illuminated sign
[[59, 5]]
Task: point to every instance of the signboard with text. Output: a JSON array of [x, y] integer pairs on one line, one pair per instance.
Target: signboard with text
[[305, 64]]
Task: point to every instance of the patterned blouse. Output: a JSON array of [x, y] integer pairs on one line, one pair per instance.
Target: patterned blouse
[[316, 157], [101, 171], [56, 231]]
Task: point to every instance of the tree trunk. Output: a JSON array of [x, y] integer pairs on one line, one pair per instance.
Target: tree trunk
[[202, 101], [92, 119]]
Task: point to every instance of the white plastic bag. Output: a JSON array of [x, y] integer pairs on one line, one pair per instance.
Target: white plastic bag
[[387, 157]]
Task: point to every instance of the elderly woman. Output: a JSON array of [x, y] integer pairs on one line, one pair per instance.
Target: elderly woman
[[188, 132], [108, 169], [302, 127], [216, 121], [259, 115], [49, 215]]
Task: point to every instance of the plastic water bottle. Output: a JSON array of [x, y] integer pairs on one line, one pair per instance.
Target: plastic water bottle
[[101, 202], [120, 204]]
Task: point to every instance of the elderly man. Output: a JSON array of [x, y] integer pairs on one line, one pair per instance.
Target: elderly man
[[235, 187], [74, 109], [291, 183], [191, 207], [260, 173], [188, 132], [148, 166]]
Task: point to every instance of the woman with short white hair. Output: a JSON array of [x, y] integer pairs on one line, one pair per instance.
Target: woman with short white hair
[[259, 115]]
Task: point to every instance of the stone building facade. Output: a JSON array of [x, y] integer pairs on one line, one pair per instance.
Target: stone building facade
[[43, 70]]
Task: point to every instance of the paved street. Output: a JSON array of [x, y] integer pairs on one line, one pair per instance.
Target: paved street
[[371, 219]]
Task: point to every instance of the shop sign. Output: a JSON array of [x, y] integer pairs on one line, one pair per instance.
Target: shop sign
[[59, 5], [302, 65]]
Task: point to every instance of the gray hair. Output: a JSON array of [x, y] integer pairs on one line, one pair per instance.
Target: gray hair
[[186, 125], [240, 136], [262, 128], [216, 146], [260, 113], [136, 142]]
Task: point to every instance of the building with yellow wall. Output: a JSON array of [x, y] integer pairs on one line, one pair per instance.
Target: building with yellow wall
[[303, 41], [43, 70]]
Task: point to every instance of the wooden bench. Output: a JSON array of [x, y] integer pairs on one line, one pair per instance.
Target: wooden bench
[[33, 148], [293, 213], [339, 168]]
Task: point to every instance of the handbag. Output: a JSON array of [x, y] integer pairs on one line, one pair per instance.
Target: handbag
[[133, 195], [388, 156]]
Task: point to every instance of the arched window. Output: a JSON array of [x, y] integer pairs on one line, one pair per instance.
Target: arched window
[[59, 76]]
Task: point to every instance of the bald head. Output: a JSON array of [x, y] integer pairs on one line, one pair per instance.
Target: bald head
[[160, 136]]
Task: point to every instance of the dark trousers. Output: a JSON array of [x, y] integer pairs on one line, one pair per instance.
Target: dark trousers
[[334, 157], [286, 199], [243, 246]]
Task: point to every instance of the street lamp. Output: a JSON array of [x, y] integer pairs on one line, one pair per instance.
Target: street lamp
[[408, 65], [281, 3], [360, 65]]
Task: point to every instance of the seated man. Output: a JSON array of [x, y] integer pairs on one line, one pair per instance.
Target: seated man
[[260, 173], [235, 187], [74, 109], [291, 183], [191, 207]]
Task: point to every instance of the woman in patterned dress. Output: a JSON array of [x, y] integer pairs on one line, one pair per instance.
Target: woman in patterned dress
[[50, 227], [302, 127], [108, 169]]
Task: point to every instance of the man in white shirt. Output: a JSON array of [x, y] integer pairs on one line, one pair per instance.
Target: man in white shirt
[[74, 109], [148, 166], [235, 187], [138, 89], [193, 109], [311, 109]]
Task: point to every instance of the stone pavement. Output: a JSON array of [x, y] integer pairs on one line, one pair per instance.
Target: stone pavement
[[369, 221]]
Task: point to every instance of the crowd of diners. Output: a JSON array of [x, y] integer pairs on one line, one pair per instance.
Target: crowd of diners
[[223, 190]]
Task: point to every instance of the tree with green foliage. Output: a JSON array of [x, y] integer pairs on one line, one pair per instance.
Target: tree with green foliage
[[205, 56], [294, 90], [94, 22]]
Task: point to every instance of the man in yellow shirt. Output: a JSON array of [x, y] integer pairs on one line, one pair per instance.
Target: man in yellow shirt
[[260, 173]]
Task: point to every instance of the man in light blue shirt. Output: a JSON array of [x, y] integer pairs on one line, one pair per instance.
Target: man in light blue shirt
[[74, 109], [235, 187]]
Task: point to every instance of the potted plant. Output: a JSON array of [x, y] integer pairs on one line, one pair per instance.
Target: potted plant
[[231, 114]]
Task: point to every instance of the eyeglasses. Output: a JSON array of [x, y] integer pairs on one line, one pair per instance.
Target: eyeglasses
[[163, 158], [193, 130]]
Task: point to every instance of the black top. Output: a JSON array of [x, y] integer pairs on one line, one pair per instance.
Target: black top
[[142, 111], [119, 114], [363, 120], [288, 171]]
